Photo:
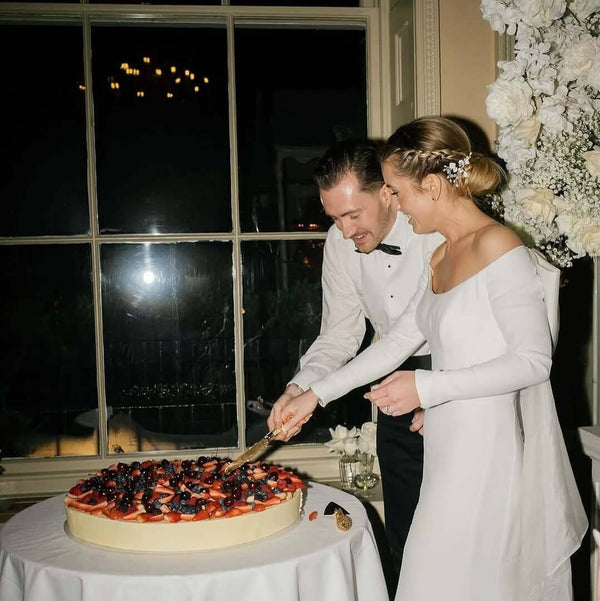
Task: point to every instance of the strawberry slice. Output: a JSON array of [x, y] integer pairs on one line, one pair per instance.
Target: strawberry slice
[[242, 506], [201, 515], [172, 516], [271, 501]]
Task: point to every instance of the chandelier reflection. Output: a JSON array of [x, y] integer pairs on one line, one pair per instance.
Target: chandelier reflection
[[156, 80]]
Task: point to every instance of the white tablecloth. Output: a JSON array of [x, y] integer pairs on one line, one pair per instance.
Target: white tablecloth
[[311, 561]]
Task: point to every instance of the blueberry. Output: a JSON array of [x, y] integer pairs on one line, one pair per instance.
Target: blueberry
[[184, 494], [202, 459], [165, 463], [228, 501], [274, 476], [121, 467], [135, 465]]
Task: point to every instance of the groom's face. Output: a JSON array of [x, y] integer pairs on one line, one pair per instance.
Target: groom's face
[[363, 216]]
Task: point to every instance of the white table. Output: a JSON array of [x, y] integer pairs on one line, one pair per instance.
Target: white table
[[311, 561]]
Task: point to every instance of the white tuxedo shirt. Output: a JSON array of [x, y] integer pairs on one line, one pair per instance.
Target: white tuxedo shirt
[[376, 285]]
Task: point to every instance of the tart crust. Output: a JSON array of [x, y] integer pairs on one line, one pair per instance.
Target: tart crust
[[183, 536]]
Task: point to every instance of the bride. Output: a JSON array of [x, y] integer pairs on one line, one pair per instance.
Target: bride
[[499, 514]]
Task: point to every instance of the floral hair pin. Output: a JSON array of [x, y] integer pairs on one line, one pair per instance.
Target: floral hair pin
[[455, 171]]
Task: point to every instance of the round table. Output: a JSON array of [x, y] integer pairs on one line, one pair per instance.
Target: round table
[[310, 561]]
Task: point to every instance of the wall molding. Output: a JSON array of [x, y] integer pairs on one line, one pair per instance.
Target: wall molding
[[427, 57]]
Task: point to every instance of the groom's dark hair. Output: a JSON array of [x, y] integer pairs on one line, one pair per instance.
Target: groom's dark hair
[[350, 156]]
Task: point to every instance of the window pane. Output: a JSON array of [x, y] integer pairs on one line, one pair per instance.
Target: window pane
[[47, 370], [168, 346], [162, 132], [287, 117], [43, 181], [282, 317]]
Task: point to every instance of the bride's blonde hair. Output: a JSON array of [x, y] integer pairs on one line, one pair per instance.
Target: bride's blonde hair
[[437, 145]]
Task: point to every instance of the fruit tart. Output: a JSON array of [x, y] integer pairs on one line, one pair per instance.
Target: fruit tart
[[173, 505]]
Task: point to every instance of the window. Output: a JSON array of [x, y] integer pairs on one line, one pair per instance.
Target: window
[[161, 237]]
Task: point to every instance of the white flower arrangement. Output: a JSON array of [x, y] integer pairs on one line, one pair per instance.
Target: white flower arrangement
[[350, 442], [546, 102]]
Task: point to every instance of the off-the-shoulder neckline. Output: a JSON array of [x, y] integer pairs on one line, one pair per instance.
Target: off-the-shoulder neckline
[[471, 277]]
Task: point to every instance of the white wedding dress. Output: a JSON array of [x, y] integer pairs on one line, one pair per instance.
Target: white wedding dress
[[465, 540], [499, 513]]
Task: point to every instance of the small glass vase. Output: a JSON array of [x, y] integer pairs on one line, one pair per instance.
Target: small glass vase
[[350, 466], [365, 479]]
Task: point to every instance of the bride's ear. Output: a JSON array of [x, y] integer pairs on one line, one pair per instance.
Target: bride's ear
[[432, 184]]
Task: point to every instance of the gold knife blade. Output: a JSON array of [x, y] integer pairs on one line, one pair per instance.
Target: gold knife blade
[[256, 450]]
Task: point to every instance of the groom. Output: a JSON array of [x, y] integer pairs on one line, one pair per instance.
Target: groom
[[372, 262]]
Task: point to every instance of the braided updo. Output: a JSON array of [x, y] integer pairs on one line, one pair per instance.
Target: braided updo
[[437, 145]]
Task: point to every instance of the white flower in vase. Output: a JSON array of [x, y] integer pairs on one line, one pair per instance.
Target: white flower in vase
[[343, 441], [367, 438]]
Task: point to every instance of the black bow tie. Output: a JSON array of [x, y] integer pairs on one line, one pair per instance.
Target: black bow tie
[[388, 249]]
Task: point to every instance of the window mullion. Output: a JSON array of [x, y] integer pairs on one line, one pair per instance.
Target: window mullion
[[237, 251], [94, 232]]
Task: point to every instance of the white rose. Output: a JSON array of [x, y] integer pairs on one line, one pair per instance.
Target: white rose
[[584, 8], [589, 238], [584, 237], [541, 13], [577, 59], [509, 102], [565, 224], [593, 75], [528, 131], [350, 446], [537, 203], [592, 162]]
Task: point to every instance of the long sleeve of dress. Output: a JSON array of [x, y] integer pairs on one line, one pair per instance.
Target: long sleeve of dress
[[517, 301], [516, 298], [342, 321], [380, 358]]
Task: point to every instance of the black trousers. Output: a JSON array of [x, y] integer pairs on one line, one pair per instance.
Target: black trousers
[[400, 454]]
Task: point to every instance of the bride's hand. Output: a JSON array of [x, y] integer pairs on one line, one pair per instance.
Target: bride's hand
[[397, 394], [291, 413]]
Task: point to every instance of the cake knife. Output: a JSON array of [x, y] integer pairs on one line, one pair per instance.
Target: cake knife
[[256, 450]]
